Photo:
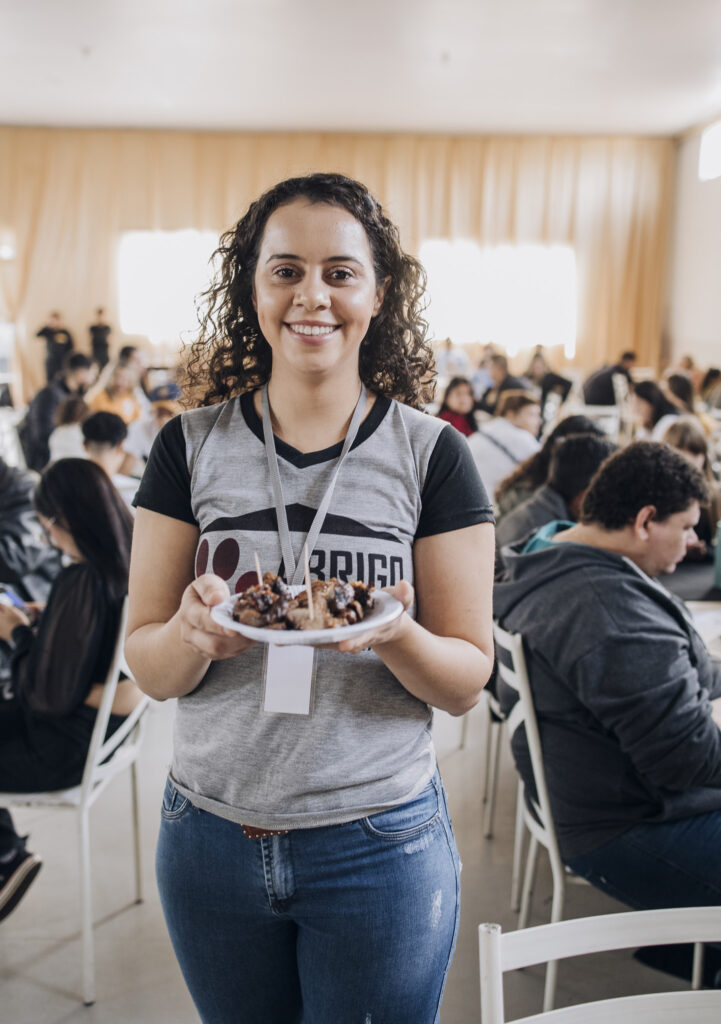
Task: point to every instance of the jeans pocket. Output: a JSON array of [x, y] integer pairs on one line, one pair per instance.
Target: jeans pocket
[[407, 821], [174, 803]]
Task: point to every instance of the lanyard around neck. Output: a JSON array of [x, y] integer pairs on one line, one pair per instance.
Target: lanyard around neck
[[293, 566]]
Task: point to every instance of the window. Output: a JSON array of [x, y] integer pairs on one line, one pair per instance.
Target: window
[[709, 157], [160, 273], [514, 296]]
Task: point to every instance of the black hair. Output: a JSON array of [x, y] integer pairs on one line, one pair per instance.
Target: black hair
[[76, 361], [628, 357], [453, 383], [533, 471], [574, 460], [80, 497], [126, 354], [230, 354], [661, 406], [106, 428], [680, 386], [643, 473]]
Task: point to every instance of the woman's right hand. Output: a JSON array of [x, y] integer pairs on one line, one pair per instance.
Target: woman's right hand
[[199, 630]]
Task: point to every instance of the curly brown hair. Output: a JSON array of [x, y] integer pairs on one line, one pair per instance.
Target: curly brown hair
[[230, 354]]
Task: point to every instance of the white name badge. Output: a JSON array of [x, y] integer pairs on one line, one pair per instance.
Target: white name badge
[[288, 680]]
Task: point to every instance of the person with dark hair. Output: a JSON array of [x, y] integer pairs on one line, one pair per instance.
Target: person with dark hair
[[627, 697], [574, 460], [654, 411], [104, 436], [35, 430], [687, 436], [599, 388], [680, 390], [59, 666], [58, 345], [457, 406], [99, 334], [502, 381], [710, 391], [309, 368], [532, 472], [66, 440], [506, 440]]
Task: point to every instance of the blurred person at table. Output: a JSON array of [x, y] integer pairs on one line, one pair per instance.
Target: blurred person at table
[[575, 459], [687, 436], [451, 360], [99, 334], [598, 388], [58, 345], [118, 395], [506, 440], [502, 381], [104, 435], [457, 406], [628, 699], [654, 411], [35, 430], [58, 668], [525, 480], [480, 378], [66, 441], [164, 405]]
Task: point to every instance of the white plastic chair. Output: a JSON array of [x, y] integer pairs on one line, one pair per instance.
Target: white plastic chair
[[532, 813], [105, 760], [508, 952]]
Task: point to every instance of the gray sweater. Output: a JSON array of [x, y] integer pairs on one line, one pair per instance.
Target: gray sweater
[[542, 507], [622, 685]]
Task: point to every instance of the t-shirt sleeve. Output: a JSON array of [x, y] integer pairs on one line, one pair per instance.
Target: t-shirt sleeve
[[165, 484], [453, 495]]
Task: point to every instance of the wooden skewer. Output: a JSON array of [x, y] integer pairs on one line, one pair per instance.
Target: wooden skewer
[[308, 589], [257, 569]]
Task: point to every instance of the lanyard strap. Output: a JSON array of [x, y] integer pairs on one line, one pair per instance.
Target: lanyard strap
[[294, 567]]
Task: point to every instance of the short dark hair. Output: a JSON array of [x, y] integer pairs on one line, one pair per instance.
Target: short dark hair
[[76, 361], [628, 357], [574, 460], [80, 496], [499, 360], [126, 354], [104, 428], [644, 473]]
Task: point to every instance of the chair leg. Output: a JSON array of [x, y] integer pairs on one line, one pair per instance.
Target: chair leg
[[697, 970], [528, 880], [494, 765], [517, 851], [486, 748], [86, 910], [135, 810], [559, 893]]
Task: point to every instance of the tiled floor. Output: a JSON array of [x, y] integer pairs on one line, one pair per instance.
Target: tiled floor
[[138, 980]]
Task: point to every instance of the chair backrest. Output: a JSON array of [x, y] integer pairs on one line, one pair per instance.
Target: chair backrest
[[507, 952], [100, 751], [512, 669]]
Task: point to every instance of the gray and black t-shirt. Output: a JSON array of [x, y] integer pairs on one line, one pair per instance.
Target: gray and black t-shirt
[[366, 743]]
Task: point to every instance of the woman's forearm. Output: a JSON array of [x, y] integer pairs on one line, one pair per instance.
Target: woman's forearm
[[163, 664], [446, 672]]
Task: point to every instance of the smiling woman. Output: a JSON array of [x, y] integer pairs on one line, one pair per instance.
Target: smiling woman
[[304, 805]]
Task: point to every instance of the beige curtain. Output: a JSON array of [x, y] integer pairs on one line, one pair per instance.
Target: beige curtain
[[66, 197]]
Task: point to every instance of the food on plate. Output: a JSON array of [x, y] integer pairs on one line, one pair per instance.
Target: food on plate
[[335, 603], [264, 604]]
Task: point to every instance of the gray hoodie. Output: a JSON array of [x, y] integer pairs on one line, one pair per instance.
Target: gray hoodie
[[621, 682]]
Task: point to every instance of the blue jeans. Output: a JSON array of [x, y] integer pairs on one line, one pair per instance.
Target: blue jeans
[[652, 866], [349, 924]]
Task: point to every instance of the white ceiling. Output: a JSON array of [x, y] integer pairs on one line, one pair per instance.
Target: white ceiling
[[457, 66]]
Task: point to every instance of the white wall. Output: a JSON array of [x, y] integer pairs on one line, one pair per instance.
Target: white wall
[[695, 265]]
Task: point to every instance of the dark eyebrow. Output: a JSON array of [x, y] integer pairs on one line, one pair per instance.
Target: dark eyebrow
[[330, 259]]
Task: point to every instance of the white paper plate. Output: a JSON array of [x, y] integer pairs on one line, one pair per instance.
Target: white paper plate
[[385, 609]]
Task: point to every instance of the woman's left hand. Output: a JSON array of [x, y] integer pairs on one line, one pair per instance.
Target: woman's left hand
[[402, 592], [10, 618]]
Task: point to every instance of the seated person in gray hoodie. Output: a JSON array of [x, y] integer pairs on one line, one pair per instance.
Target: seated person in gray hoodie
[[574, 460], [626, 694]]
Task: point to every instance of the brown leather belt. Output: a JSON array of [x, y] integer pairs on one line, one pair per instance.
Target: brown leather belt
[[250, 832]]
